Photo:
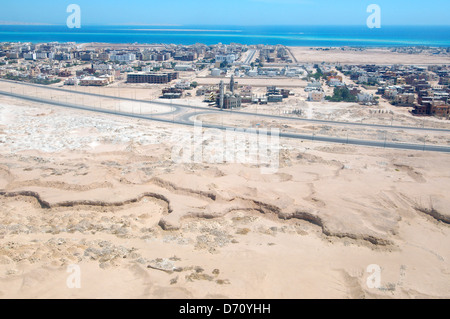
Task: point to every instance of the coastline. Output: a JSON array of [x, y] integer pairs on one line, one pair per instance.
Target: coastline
[[305, 36], [343, 55]]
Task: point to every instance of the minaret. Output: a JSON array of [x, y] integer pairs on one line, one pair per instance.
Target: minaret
[[221, 93], [232, 84]]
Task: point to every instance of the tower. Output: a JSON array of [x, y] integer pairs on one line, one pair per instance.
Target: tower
[[221, 94], [232, 84]]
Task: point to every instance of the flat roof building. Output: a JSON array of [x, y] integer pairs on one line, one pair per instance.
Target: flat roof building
[[155, 78], [94, 81]]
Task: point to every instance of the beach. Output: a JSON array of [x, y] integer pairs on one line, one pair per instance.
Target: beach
[[380, 56]]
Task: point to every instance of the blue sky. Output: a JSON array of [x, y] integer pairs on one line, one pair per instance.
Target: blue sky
[[227, 12]]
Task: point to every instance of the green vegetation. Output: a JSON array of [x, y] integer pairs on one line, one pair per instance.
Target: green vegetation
[[31, 80], [45, 81], [224, 65], [318, 75], [369, 83], [341, 95], [194, 85]]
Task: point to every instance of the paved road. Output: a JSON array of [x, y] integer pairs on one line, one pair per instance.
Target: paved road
[[185, 120], [250, 56], [176, 110], [333, 123]]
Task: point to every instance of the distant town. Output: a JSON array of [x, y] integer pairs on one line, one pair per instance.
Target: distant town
[[219, 74]]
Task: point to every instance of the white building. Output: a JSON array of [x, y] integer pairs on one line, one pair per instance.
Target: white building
[[365, 97], [72, 81], [102, 67], [123, 57], [182, 67], [335, 82], [41, 55], [313, 86], [29, 56], [293, 72], [253, 72], [215, 72], [183, 84], [229, 58]]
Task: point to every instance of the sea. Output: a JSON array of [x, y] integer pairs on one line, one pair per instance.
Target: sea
[[316, 36]]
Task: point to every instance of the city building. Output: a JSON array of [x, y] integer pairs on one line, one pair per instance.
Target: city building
[[183, 67], [156, 78], [230, 101], [216, 72], [365, 97], [405, 99], [275, 98], [183, 85], [94, 81], [228, 58], [172, 93], [29, 56], [72, 81], [123, 57], [316, 96]]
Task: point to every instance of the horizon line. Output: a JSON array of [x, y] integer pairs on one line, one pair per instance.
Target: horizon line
[[12, 23]]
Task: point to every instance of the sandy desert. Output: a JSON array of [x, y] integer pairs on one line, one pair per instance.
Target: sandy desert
[[103, 193]]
